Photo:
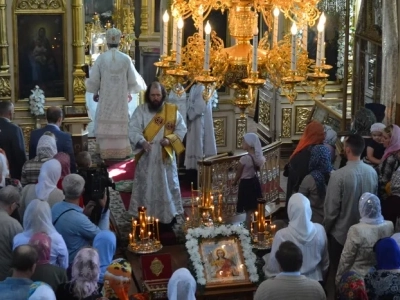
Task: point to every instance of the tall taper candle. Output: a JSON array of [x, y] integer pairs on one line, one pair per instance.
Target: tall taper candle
[[294, 44], [207, 49], [322, 19], [165, 34], [255, 46], [320, 28], [276, 26], [201, 21], [179, 42], [174, 28]]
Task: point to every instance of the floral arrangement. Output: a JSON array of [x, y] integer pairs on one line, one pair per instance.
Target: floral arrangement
[[36, 101], [195, 235]]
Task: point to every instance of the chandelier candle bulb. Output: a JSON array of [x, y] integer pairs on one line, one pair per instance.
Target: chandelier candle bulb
[[320, 29], [165, 34], [174, 28], [294, 42], [276, 26], [207, 48], [179, 42], [255, 46], [201, 21]]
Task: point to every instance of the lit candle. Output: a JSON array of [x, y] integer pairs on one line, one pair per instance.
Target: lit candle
[[142, 234], [294, 44], [220, 219], [255, 46], [130, 239], [201, 28], [149, 235], [187, 219], [323, 21], [276, 26], [142, 220], [320, 29], [179, 43], [158, 231], [207, 49], [174, 28], [255, 216], [165, 35]]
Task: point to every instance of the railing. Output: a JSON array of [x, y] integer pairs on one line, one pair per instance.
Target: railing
[[217, 173]]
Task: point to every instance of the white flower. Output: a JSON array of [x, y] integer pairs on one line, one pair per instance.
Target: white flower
[[36, 101]]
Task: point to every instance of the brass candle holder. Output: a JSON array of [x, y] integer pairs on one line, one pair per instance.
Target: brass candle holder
[[145, 235], [209, 83]]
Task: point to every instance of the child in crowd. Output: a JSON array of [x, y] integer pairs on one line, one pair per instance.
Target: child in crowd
[[375, 148], [249, 186], [83, 160]]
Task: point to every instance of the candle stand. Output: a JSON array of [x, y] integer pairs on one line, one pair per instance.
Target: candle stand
[[145, 235]]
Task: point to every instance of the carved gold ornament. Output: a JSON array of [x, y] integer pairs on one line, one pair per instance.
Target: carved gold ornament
[[264, 114], [5, 87], [219, 131], [156, 266], [241, 129], [39, 4], [302, 115], [286, 122], [79, 85]]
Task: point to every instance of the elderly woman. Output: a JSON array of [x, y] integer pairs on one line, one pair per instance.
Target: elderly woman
[[297, 168], [45, 150], [45, 271], [85, 274], [391, 158], [37, 219], [314, 184], [181, 286], [357, 253], [308, 236], [46, 188], [383, 282]]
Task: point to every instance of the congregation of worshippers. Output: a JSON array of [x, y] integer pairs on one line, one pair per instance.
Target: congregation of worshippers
[[338, 238]]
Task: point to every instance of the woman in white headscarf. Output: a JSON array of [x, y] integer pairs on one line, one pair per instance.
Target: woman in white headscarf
[[37, 218], [357, 253], [181, 286], [45, 150], [249, 187], [46, 188], [309, 237]]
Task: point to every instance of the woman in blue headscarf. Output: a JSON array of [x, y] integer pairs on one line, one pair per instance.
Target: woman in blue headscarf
[[314, 184], [105, 243], [384, 281]]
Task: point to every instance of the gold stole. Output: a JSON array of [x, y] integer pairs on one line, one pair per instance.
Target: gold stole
[[167, 118]]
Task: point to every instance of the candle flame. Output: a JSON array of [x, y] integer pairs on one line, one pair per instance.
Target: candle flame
[[276, 12], [294, 29], [166, 17], [207, 29], [180, 23], [322, 19]]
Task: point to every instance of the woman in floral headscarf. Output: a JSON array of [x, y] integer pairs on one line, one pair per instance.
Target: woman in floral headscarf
[[357, 253], [352, 287], [85, 275], [314, 184], [391, 158], [45, 150]]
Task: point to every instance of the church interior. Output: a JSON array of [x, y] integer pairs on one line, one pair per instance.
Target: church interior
[[275, 66]]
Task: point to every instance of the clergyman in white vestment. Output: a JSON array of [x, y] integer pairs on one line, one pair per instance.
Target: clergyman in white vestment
[[156, 132], [112, 78], [200, 139]]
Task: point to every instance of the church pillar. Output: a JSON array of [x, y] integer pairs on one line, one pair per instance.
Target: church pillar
[[78, 44], [5, 76]]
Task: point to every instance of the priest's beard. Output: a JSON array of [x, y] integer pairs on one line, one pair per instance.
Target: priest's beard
[[155, 106]]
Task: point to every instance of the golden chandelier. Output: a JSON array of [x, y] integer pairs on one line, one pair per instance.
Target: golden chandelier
[[241, 67]]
